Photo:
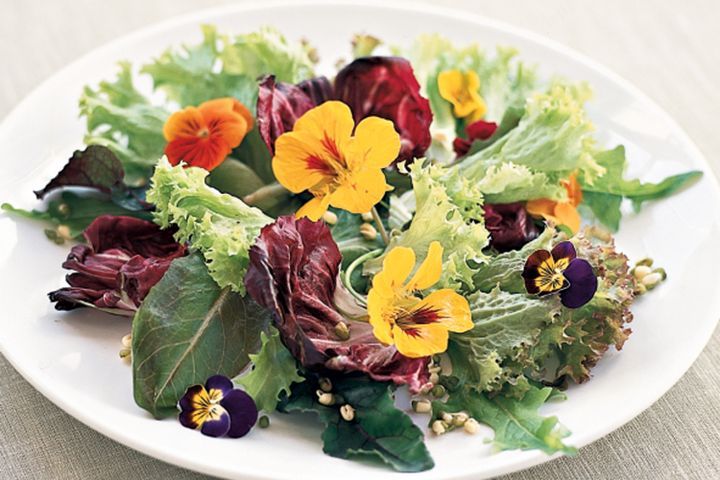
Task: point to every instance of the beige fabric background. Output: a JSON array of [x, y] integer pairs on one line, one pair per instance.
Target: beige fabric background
[[668, 48]]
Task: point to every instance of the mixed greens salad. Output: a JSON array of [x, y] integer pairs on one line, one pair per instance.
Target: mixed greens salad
[[438, 218]]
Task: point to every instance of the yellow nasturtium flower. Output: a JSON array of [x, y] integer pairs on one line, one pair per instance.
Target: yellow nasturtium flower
[[418, 327], [561, 213], [462, 90], [339, 166]]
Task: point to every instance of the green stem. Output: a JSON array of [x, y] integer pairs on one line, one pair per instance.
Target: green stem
[[351, 268], [271, 190], [380, 226]]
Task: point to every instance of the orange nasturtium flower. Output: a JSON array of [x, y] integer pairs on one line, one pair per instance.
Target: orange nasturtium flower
[[339, 167], [204, 136], [562, 213], [417, 326], [462, 90]]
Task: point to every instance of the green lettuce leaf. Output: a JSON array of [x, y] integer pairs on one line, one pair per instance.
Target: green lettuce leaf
[[274, 370], [516, 422], [267, 51], [604, 195], [438, 217], [517, 337], [379, 429], [70, 213], [496, 350], [552, 139], [189, 75], [187, 330], [119, 117], [221, 226]]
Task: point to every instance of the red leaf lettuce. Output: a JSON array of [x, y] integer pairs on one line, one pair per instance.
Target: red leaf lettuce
[[123, 259]]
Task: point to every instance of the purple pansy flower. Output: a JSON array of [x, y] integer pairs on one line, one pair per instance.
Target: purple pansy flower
[[560, 271], [218, 409]]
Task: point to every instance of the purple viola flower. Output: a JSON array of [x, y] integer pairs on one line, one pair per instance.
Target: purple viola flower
[[218, 409], [560, 271]]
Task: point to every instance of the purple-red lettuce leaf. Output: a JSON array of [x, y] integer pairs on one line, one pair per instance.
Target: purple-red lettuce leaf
[[386, 87], [294, 266], [509, 225], [123, 259]]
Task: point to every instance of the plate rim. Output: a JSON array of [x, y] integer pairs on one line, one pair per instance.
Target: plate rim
[[526, 459]]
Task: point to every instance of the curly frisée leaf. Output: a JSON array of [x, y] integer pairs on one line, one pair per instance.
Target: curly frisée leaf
[[438, 217], [274, 370], [378, 429], [221, 226], [186, 330]]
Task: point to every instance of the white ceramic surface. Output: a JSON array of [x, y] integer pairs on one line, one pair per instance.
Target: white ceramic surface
[[72, 357]]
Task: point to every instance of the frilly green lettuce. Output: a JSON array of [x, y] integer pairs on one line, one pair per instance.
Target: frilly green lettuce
[[221, 226], [437, 217], [222, 66], [518, 337], [122, 119], [552, 139]]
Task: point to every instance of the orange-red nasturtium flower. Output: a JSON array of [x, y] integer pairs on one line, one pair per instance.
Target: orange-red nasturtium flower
[[562, 213], [204, 136], [418, 327], [339, 162]]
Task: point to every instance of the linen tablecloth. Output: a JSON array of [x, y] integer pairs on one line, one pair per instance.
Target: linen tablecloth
[[667, 48]]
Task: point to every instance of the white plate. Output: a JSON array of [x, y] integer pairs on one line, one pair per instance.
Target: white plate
[[72, 357]]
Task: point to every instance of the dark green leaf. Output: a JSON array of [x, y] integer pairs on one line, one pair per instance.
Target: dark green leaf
[[517, 423], [96, 167], [71, 213], [379, 428], [254, 153], [187, 330], [605, 194]]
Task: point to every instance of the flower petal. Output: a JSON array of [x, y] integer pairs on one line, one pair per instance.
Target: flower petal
[[566, 214], [563, 253], [397, 265], [220, 383], [377, 305], [191, 406], [376, 143], [531, 271], [332, 120], [421, 340], [361, 192], [452, 310], [299, 163], [541, 207], [217, 422], [185, 123], [315, 208], [583, 284], [430, 270], [242, 410]]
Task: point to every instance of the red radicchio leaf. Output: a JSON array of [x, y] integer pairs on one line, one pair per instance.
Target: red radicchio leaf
[[280, 104], [123, 259], [293, 271], [509, 226], [386, 87], [480, 130]]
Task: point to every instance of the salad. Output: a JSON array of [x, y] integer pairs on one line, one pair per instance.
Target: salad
[[428, 217]]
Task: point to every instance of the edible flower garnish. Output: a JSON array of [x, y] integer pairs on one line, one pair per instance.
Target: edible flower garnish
[[218, 409], [462, 90], [204, 136], [417, 327], [339, 167], [560, 271], [562, 213]]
